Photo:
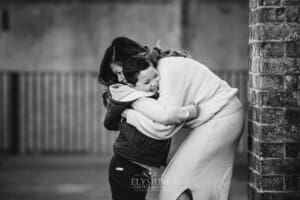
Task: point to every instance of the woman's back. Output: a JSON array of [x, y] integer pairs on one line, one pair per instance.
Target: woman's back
[[184, 81]]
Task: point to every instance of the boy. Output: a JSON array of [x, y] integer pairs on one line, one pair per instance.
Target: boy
[[137, 155]]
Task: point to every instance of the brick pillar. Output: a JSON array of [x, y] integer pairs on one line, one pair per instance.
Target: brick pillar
[[274, 100]]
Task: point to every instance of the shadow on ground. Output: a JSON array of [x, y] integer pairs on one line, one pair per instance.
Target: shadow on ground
[[74, 178]]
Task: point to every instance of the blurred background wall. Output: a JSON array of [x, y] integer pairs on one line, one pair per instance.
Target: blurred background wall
[[73, 35], [50, 51]]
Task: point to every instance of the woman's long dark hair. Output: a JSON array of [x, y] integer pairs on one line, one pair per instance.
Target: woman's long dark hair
[[119, 51], [123, 48], [157, 53]]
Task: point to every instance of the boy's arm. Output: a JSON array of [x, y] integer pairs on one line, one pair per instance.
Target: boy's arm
[[152, 109], [113, 114], [111, 121]]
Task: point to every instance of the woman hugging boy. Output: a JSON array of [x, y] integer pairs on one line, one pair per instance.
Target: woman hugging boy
[[137, 157]]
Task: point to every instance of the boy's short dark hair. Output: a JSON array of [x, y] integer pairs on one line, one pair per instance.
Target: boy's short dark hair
[[133, 66]]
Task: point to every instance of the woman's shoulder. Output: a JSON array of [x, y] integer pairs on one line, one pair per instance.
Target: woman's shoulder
[[168, 64], [172, 59], [178, 59]]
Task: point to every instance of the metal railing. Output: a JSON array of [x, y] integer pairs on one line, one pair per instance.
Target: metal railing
[[61, 112]]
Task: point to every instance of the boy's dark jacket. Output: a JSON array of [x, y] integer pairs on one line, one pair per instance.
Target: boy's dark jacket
[[131, 143]]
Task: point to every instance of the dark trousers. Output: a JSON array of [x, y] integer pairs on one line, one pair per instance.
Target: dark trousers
[[128, 181]]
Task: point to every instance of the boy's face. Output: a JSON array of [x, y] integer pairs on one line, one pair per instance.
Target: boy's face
[[148, 80]]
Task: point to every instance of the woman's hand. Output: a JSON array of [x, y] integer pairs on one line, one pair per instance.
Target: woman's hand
[[194, 112]]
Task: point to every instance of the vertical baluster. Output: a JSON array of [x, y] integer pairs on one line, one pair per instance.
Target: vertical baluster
[[105, 138], [55, 109], [94, 116], [229, 77], [77, 107], [245, 89], [30, 112], [7, 129], [222, 75], [4, 117], [238, 79], [38, 112], [80, 119], [22, 114], [67, 143], [46, 102], [2, 114], [26, 112], [34, 104], [63, 98], [240, 84], [241, 89], [96, 125], [84, 121], [233, 77], [6, 111], [73, 127], [87, 99]]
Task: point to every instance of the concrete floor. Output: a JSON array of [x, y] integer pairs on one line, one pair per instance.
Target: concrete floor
[[74, 178]]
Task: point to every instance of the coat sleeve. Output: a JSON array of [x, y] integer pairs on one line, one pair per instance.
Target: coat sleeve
[[157, 112], [151, 128], [113, 115]]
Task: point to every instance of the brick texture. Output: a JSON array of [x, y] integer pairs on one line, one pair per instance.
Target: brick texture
[[274, 100]]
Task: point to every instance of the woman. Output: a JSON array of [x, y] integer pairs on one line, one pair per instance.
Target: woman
[[136, 157], [203, 163]]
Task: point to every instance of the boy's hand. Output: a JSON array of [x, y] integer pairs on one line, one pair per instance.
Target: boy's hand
[[124, 113]]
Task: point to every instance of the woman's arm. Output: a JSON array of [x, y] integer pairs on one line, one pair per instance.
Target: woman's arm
[[174, 89], [152, 109], [149, 127]]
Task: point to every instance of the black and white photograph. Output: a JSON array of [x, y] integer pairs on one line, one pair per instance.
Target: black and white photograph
[[150, 99]]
